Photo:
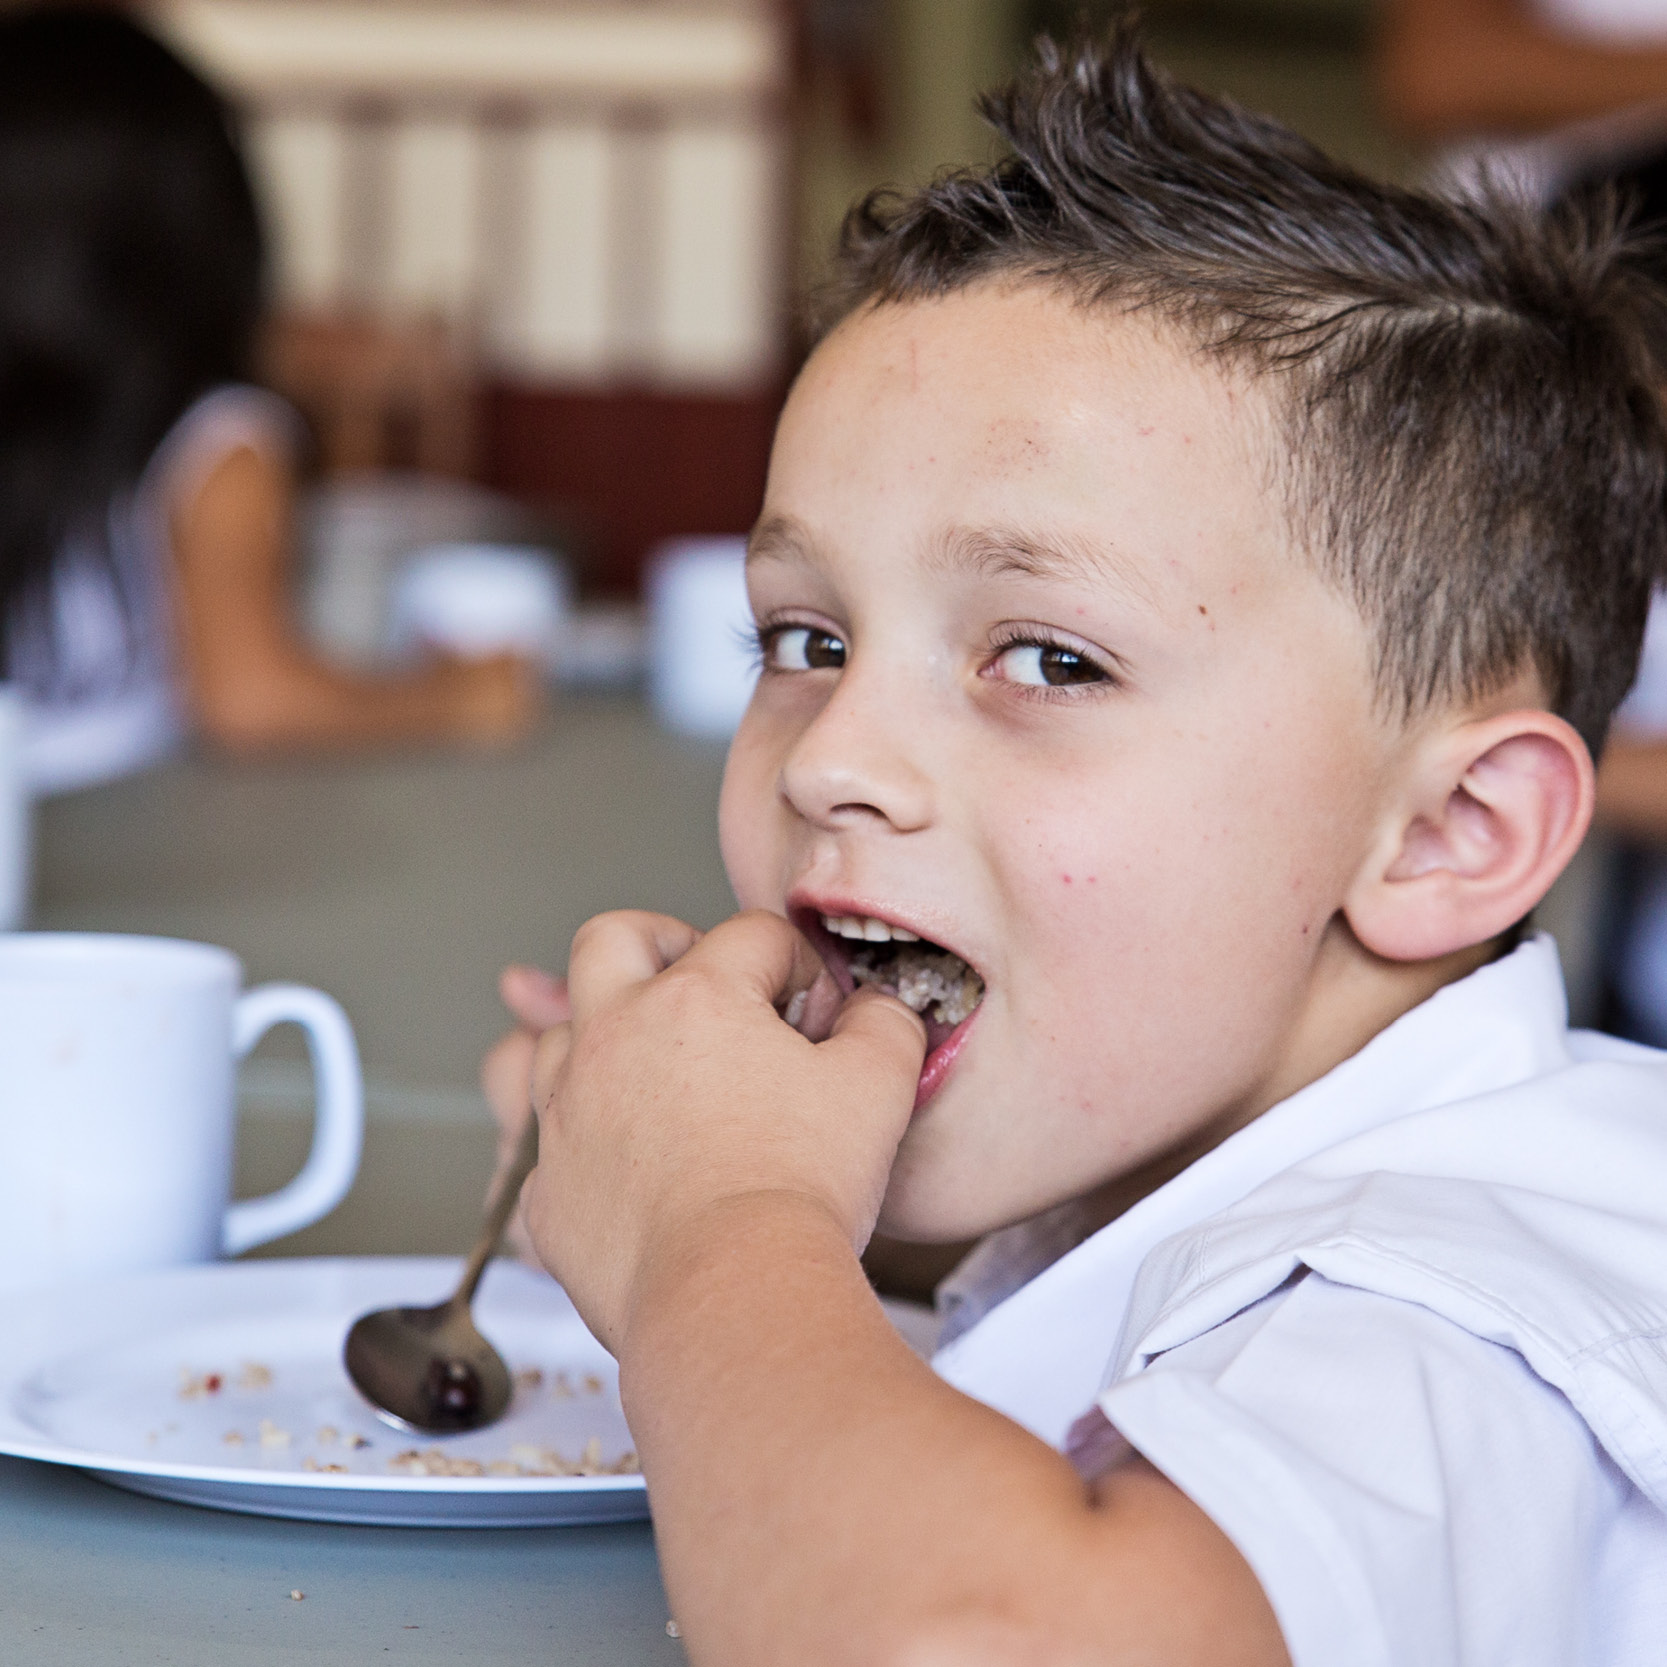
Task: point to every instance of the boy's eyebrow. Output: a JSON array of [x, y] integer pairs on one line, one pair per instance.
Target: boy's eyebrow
[[993, 551], [779, 538], [990, 551]]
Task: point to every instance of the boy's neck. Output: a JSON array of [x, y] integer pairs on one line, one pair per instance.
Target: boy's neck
[[1355, 995]]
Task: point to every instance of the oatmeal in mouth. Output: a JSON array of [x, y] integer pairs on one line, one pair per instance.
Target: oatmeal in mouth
[[934, 981]]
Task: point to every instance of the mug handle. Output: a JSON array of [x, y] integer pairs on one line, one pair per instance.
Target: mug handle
[[338, 1120]]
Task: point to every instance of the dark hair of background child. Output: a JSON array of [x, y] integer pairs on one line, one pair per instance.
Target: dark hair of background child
[[1471, 440], [130, 271]]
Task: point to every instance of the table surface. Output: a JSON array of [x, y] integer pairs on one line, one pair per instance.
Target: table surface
[[401, 885], [91, 1576]]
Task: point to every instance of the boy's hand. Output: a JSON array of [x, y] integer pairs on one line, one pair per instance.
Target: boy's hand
[[537, 1001], [678, 1088]]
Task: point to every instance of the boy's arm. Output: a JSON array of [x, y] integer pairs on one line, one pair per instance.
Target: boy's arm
[[819, 1494], [1632, 786], [1454, 67]]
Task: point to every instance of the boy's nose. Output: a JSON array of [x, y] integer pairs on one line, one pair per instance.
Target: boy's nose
[[855, 764]]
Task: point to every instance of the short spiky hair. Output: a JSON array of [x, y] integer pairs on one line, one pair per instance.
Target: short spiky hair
[[1472, 446]]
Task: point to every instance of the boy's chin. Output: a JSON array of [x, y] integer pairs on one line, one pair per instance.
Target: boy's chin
[[925, 1206]]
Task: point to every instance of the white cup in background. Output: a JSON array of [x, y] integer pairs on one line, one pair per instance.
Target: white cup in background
[[477, 600], [701, 661], [16, 814], [118, 1068]]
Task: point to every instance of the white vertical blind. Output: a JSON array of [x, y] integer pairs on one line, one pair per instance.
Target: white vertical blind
[[555, 321], [298, 158], [719, 202], [435, 231], [597, 189]]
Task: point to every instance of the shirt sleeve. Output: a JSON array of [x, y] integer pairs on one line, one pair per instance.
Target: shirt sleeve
[[1407, 1494]]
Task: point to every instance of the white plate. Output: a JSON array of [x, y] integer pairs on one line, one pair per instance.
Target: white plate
[[112, 1377]]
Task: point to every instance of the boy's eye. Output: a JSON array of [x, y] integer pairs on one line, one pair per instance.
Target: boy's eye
[[1047, 665], [802, 648]]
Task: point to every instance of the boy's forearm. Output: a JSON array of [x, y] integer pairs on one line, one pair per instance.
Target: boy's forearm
[[820, 1495]]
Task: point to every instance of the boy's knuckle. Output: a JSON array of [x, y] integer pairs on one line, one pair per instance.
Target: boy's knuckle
[[688, 989], [595, 931]]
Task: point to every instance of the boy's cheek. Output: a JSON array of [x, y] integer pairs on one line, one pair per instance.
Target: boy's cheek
[[750, 840]]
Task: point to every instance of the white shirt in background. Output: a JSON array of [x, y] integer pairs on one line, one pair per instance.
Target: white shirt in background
[[99, 679], [1403, 1338]]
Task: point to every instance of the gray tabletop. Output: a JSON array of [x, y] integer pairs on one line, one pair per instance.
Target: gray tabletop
[[401, 886], [91, 1576]]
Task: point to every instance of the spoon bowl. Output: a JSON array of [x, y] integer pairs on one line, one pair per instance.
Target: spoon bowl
[[429, 1369]]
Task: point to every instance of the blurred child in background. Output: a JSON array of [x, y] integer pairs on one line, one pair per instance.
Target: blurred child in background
[[146, 488], [1564, 97]]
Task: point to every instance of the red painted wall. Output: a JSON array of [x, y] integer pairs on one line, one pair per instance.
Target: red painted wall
[[627, 469]]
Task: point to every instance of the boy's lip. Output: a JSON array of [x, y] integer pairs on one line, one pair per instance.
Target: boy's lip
[[935, 1069], [806, 910]]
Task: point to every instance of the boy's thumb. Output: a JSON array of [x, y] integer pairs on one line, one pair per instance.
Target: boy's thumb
[[881, 1026]]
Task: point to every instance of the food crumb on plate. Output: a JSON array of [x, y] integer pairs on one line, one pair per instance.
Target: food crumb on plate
[[529, 1378], [328, 1435], [194, 1385], [271, 1435], [412, 1462], [233, 1438], [524, 1460], [313, 1467], [673, 1630], [297, 1594]]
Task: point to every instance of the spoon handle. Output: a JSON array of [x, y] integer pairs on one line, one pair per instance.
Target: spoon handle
[[506, 1194]]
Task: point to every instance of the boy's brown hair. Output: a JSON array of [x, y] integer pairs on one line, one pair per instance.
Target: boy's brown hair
[[1472, 446]]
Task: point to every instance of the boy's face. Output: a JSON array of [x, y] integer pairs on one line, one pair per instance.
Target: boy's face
[[1047, 683]]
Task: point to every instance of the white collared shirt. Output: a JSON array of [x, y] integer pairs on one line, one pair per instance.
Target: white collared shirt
[[1403, 1338]]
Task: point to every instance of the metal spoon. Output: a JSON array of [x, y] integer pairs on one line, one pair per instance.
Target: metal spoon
[[428, 1369]]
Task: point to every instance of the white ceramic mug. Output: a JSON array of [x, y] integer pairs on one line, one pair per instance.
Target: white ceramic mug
[[118, 1078], [702, 664], [477, 600], [15, 811]]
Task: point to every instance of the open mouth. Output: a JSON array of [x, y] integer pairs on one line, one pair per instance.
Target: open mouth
[[936, 982]]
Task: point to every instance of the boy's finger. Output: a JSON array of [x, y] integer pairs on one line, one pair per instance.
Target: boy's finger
[[614, 951], [891, 1035], [536, 998], [506, 1080], [767, 954], [549, 1055]]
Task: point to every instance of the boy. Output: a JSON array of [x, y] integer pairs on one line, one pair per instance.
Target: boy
[[1191, 585]]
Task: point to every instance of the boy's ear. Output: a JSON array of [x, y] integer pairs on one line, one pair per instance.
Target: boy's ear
[[1493, 810]]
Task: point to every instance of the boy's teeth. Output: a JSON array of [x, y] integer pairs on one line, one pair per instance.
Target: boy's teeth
[[922, 975], [868, 929]]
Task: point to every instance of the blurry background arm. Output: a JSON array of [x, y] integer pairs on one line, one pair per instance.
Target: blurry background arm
[[1450, 67], [251, 681], [1632, 787]]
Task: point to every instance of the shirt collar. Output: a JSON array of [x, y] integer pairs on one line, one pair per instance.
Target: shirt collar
[[1040, 1352]]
